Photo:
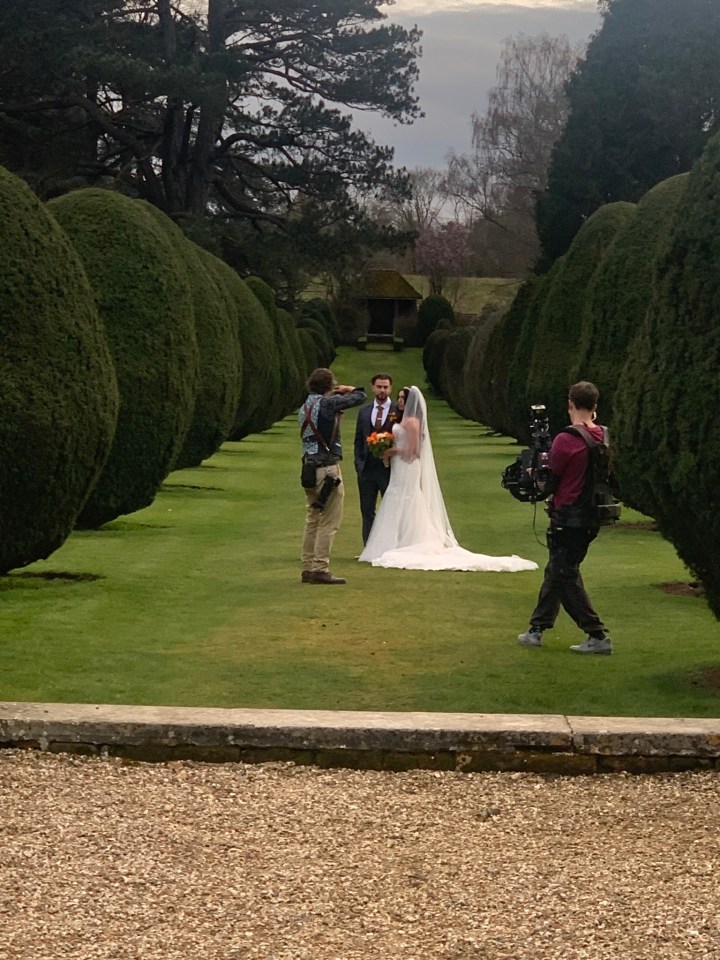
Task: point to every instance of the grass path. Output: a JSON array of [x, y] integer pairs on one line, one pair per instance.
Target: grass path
[[197, 600]]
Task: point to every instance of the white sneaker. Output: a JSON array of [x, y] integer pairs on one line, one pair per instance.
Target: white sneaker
[[531, 638], [601, 645]]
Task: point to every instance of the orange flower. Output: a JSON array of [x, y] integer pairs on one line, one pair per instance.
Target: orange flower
[[378, 443]]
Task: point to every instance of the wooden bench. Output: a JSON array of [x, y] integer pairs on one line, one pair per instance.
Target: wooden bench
[[385, 339]]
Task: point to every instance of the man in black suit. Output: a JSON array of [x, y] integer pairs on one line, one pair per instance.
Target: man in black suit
[[373, 476]]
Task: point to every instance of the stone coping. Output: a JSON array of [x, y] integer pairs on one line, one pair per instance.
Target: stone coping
[[396, 741]]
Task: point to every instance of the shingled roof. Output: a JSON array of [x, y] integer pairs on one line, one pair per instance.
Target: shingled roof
[[386, 285]]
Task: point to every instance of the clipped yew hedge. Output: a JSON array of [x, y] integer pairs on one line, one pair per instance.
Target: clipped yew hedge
[[452, 380], [556, 338], [518, 397], [311, 350], [320, 310], [475, 360], [260, 378], [491, 381], [293, 337], [433, 356], [326, 352], [220, 357], [667, 424], [291, 379], [145, 303], [431, 311], [621, 290], [58, 392]]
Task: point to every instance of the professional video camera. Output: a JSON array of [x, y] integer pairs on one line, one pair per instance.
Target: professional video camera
[[524, 478]]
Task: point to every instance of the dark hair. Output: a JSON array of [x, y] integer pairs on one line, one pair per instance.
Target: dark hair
[[402, 392], [382, 376], [584, 395], [320, 380]]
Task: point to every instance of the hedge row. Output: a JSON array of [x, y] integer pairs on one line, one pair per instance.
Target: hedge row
[[126, 351], [58, 392], [634, 306]]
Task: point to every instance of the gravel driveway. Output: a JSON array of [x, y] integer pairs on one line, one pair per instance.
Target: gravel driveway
[[100, 859]]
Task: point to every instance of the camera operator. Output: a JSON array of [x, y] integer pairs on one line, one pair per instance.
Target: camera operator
[[573, 527], [319, 419]]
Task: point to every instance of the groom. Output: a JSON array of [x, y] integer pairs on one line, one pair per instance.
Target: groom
[[372, 474]]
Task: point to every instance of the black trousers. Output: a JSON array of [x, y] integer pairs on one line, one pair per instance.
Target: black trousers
[[563, 584], [373, 481]]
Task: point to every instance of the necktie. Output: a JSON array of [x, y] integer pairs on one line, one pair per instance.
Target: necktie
[[378, 418]]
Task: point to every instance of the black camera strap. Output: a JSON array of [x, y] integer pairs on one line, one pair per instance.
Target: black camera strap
[[596, 498], [580, 431]]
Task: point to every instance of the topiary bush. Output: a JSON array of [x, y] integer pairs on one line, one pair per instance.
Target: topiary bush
[[260, 380], [310, 349], [516, 399], [146, 306], [433, 355], [290, 379], [452, 382], [321, 310], [58, 392], [326, 351], [475, 361], [491, 388], [667, 423], [556, 338], [431, 311], [220, 356], [621, 290], [293, 338], [352, 321]]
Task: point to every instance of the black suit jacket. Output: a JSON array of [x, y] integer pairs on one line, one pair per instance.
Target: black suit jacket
[[365, 427]]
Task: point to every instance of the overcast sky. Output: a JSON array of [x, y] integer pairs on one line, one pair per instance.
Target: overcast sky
[[461, 45]]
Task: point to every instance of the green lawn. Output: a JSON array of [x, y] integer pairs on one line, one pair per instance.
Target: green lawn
[[197, 600]]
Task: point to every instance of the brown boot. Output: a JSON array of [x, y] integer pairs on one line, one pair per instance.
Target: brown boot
[[308, 576], [324, 576]]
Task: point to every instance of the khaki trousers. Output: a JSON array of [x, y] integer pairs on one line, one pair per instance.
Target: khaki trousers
[[322, 525]]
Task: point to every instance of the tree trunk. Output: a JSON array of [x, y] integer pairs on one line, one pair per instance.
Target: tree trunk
[[211, 119], [172, 148]]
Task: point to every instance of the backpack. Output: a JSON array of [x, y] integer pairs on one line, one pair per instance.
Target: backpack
[[596, 502]]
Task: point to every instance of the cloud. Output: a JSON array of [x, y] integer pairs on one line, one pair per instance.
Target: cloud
[[461, 48], [403, 7]]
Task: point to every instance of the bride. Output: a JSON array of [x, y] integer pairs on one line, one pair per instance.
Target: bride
[[411, 529]]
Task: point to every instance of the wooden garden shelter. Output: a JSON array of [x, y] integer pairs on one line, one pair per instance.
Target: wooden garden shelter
[[390, 304]]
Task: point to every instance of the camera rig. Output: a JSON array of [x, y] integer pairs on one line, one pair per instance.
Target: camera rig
[[524, 478]]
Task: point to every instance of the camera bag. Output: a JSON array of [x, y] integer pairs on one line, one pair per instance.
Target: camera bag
[[308, 475]]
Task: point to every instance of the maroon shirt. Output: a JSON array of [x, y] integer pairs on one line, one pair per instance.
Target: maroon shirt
[[568, 461]]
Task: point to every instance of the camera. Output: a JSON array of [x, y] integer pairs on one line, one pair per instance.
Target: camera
[[328, 485], [525, 478]]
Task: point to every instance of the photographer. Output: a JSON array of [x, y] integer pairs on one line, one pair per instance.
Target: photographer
[[573, 527], [319, 419]]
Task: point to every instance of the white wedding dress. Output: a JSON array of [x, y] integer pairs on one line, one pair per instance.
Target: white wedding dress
[[411, 530]]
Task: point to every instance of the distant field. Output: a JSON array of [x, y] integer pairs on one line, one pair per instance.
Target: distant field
[[467, 294], [471, 294]]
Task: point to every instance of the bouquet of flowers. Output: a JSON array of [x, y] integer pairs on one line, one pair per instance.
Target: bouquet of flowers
[[378, 443]]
